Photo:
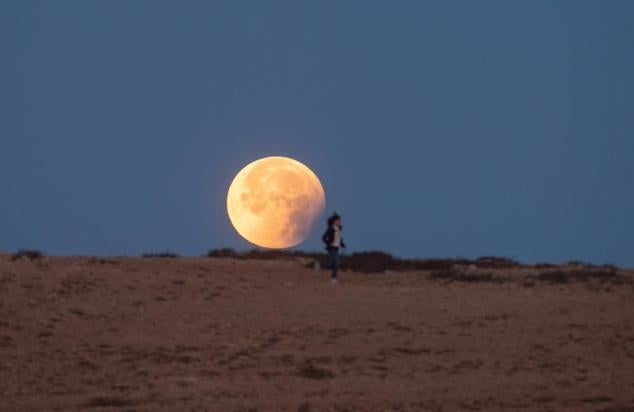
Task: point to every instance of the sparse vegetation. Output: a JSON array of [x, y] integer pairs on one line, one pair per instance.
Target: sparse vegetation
[[495, 262], [363, 262], [310, 371], [222, 253], [103, 261], [577, 263], [544, 265], [586, 265], [459, 276], [582, 275], [27, 254], [441, 264], [109, 402], [441, 269], [261, 254], [167, 255], [377, 261], [374, 261]]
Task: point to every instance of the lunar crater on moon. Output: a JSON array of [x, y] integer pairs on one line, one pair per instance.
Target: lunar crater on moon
[[273, 202]]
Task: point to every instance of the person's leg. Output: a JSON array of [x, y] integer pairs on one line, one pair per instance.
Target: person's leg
[[334, 261]]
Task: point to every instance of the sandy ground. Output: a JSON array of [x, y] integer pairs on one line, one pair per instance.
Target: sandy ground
[[200, 334]]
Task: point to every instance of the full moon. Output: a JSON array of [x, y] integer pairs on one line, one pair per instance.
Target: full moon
[[274, 201]]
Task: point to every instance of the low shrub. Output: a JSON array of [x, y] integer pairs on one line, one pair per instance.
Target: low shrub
[[562, 276], [27, 254], [160, 255], [222, 253], [261, 254], [373, 261], [494, 262], [458, 276]]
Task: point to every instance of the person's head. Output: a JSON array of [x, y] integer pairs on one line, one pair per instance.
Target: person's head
[[334, 219]]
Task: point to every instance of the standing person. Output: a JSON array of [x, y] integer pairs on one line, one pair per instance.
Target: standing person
[[333, 240]]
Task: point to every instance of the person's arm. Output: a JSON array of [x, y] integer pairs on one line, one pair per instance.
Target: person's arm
[[328, 236]]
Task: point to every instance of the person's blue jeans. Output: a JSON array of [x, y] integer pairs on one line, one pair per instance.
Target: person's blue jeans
[[334, 261]]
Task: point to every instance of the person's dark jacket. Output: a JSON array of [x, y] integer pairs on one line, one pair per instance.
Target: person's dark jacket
[[329, 236]]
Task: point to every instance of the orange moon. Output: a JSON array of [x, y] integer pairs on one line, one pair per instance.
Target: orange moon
[[273, 202]]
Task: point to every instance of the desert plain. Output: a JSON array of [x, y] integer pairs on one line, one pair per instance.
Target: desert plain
[[244, 335]]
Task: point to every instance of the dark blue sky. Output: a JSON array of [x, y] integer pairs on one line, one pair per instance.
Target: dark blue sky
[[444, 128]]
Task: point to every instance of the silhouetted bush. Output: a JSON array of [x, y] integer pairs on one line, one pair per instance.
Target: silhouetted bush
[[440, 264], [160, 255], [378, 261], [268, 254], [494, 262], [458, 276], [561, 276], [222, 253], [374, 261], [103, 261], [27, 254], [578, 263], [262, 254], [543, 265], [587, 265]]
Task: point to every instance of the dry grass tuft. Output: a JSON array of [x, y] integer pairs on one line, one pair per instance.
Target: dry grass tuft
[[310, 371], [109, 402]]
